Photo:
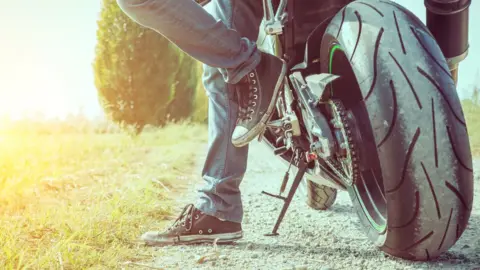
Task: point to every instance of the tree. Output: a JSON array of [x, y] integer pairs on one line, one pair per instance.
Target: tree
[[200, 111], [140, 76], [475, 97], [184, 88], [476, 91]]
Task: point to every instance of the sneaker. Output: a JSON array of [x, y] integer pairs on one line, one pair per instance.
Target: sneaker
[[192, 227], [257, 94]]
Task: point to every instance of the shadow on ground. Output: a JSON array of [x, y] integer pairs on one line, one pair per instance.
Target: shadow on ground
[[461, 255]]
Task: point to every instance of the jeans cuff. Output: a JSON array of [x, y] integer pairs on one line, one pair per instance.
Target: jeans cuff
[[232, 217], [235, 76]]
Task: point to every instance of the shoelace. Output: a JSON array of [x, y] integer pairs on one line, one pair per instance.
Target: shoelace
[[246, 103], [185, 215]]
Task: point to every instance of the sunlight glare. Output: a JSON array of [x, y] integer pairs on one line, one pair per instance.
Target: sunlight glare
[[31, 87]]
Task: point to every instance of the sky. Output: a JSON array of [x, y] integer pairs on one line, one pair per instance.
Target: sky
[[46, 54], [47, 50]]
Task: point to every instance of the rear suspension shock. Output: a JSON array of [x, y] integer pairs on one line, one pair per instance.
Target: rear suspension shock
[[447, 20]]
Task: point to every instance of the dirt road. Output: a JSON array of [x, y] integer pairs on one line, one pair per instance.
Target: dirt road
[[308, 239]]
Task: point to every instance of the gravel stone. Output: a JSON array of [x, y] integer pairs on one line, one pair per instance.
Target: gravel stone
[[309, 239]]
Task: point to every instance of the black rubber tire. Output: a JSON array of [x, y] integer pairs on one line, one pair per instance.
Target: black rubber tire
[[319, 197], [416, 126]]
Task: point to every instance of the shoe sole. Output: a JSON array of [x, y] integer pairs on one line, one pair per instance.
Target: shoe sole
[[262, 125], [223, 238]]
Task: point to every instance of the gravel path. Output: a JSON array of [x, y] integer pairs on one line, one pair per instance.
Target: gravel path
[[308, 239]]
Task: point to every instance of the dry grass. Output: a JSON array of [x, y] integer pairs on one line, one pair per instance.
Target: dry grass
[[81, 201]]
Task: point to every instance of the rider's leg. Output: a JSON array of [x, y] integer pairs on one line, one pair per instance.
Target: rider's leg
[[198, 33], [225, 164], [209, 40]]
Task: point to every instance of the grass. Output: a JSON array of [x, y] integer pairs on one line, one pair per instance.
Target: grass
[[80, 201]]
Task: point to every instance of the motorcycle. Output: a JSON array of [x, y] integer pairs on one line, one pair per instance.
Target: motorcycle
[[369, 106]]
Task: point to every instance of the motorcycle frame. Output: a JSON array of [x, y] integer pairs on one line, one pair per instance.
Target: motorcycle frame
[[446, 20], [279, 27], [448, 23]]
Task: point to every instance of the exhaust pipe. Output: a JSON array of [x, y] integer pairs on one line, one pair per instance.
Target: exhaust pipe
[[447, 20]]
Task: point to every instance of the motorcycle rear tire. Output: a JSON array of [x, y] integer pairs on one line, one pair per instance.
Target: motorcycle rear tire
[[412, 126]]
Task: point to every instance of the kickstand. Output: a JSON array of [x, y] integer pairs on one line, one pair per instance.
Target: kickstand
[[302, 168]]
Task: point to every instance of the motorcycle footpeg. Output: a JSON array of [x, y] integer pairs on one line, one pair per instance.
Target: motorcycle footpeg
[[280, 150], [279, 140]]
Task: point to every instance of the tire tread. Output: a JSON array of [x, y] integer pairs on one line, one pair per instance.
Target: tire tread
[[399, 58]]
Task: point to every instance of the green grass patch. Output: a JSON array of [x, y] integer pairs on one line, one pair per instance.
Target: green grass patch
[[80, 201]]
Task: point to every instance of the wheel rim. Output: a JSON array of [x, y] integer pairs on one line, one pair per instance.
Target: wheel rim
[[368, 189]]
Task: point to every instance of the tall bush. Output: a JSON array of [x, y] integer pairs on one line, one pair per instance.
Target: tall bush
[[140, 76]]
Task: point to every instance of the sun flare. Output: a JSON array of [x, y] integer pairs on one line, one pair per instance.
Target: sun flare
[[30, 87]]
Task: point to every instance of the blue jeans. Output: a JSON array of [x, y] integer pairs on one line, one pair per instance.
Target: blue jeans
[[205, 36], [222, 36]]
